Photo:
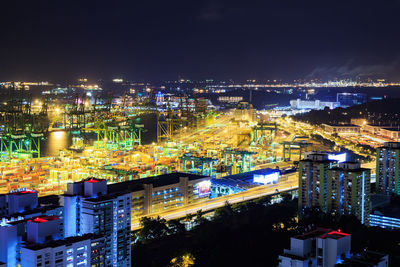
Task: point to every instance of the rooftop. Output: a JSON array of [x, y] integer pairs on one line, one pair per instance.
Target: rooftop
[[334, 235], [23, 192], [156, 181], [62, 242], [109, 196], [342, 125], [322, 233], [42, 219], [243, 180], [37, 210], [366, 258], [392, 210], [93, 180]]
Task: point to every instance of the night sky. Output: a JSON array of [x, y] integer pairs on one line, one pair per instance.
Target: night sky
[[157, 40]]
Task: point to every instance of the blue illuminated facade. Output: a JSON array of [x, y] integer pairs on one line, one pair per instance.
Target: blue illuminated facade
[[17, 207], [92, 228], [241, 182], [90, 209], [384, 221]]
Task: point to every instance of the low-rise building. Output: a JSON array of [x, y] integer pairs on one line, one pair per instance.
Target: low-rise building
[[392, 133], [367, 259], [321, 247], [312, 104], [19, 207], [341, 128], [387, 216]]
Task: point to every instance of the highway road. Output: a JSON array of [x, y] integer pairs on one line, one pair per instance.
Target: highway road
[[286, 183]]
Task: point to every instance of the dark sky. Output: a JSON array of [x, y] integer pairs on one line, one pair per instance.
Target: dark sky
[[155, 40]]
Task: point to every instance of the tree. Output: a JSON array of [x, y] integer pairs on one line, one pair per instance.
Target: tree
[[184, 260], [176, 227], [152, 228]]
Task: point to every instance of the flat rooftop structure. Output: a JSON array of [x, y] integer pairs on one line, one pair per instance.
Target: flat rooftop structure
[[342, 125], [313, 234], [23, 192], [243, 180], [37, 210], [107, 197], [391, 145], [392, 210], [43, 218], [61, 242], [156, 181], [365, 259], [334, 235], [322, 233], [393, 129]]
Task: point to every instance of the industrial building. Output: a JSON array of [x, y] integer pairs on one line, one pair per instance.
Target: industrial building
[[387, 168], [159, 193], [341, 128]]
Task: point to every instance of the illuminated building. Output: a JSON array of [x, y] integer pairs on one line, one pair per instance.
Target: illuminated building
[[351, 99], [163, 192], [328, 182], [159, 98], [321, 247], [392, 133], [341, 128], [69, 252], [367, 259], [19, 201], [313, 180], [349, 190], [46, 247], [244, 112], [387, 216], [90, 209], [232, 184], [18, 207], [312, 104], [388, 169]]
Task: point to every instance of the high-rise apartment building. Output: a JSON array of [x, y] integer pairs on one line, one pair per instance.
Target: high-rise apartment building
[[90, 209], [388, 169], [313, 181], [349, 190], [342, 188]]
